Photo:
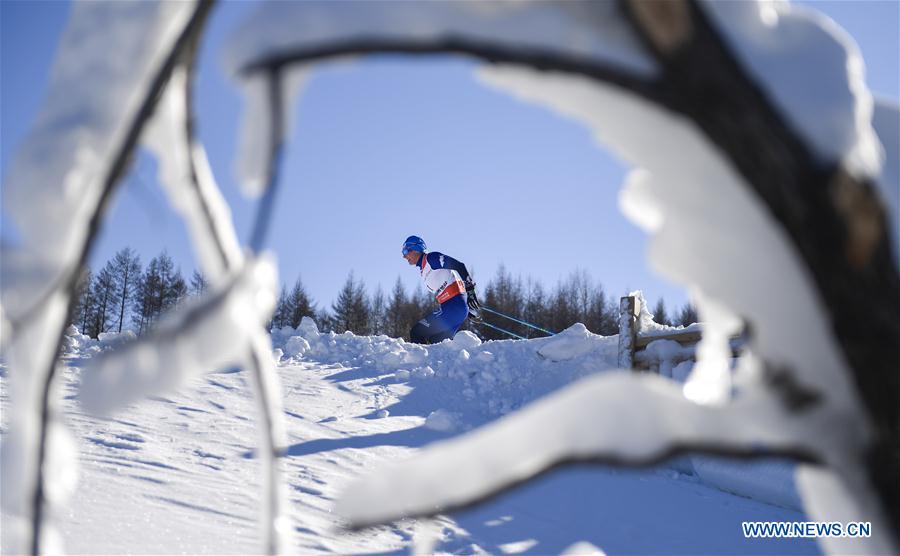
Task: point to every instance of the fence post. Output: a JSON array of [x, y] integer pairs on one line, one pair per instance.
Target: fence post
[[627, 331]]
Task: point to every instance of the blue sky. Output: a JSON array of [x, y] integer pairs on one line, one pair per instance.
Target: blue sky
[[391, 146]]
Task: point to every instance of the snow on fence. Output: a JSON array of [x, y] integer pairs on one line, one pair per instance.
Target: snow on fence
[[659, 349]]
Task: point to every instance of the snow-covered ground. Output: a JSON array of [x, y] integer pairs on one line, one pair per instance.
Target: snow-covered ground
[[177, 473]]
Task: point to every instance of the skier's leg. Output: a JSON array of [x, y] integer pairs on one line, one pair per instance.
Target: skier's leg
[[419, 332], [426, 329], [450, 317]]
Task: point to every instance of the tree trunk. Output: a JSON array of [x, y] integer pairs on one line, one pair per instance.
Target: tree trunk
[[840, 230]]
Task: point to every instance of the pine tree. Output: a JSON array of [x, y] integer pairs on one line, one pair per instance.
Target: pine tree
[[378, 312], [581, 296], [324, 320], [505, 295], [609, 323], [395, 318], [104, 297], [362, 317], [688, 315], [562, 308], [603, 314], [534, 310], [282, 311], [342, 308], [160, 289], [351, 311], [174, 288], [299, 305], [659, 313], [127, 272], [199, 283], [147, 295], [84, 308]]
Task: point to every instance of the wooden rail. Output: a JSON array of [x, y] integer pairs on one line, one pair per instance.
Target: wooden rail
[[632, 344]]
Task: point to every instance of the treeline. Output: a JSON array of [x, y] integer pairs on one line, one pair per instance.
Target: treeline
[[578, 298], [356, 310], [123, 292]]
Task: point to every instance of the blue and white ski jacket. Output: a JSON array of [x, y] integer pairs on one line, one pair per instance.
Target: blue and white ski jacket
[[444, 276]]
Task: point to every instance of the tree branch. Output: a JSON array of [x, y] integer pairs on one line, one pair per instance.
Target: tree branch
[[834, 220], [70, 284]]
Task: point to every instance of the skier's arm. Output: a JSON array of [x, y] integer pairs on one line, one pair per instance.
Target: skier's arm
[[439, 260]]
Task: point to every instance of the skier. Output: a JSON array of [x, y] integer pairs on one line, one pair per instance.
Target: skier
[[452, 286]]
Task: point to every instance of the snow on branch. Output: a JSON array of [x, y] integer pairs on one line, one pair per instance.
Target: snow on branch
[[192, 190], [829, 498], [188, 181], [59, 187], [617, 418], [280, 33], [545, 34]]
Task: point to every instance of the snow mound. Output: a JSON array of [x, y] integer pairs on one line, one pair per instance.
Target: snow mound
[[441, 420], [296, 346], [459, 384], [77, 344], [575, 341], [483, 379], [466, 340]]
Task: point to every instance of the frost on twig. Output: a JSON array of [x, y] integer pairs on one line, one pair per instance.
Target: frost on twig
[[58, 189], [617, 418], [829, 498], [192, 190], [188, 181]]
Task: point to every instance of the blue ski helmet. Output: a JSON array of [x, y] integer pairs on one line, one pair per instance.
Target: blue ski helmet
[[413, 243]]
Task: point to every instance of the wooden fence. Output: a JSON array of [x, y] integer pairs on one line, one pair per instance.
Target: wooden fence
[[632, 343]]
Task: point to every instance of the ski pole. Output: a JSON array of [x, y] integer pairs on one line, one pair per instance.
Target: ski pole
[[517, 320], [501, 330]]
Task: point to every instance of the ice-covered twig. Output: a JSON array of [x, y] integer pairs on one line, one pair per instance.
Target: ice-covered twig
[[275, 144], [59, 189], [187, 179], [542, 33], [829, 498], [192, 190]]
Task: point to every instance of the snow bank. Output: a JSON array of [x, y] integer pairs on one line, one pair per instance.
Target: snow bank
[[462, 383], [484, 380], [77, 344], [575, 341]]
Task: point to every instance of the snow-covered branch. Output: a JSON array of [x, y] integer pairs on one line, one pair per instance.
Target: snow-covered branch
[[191, 188], [60, 185], [615, 418]]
